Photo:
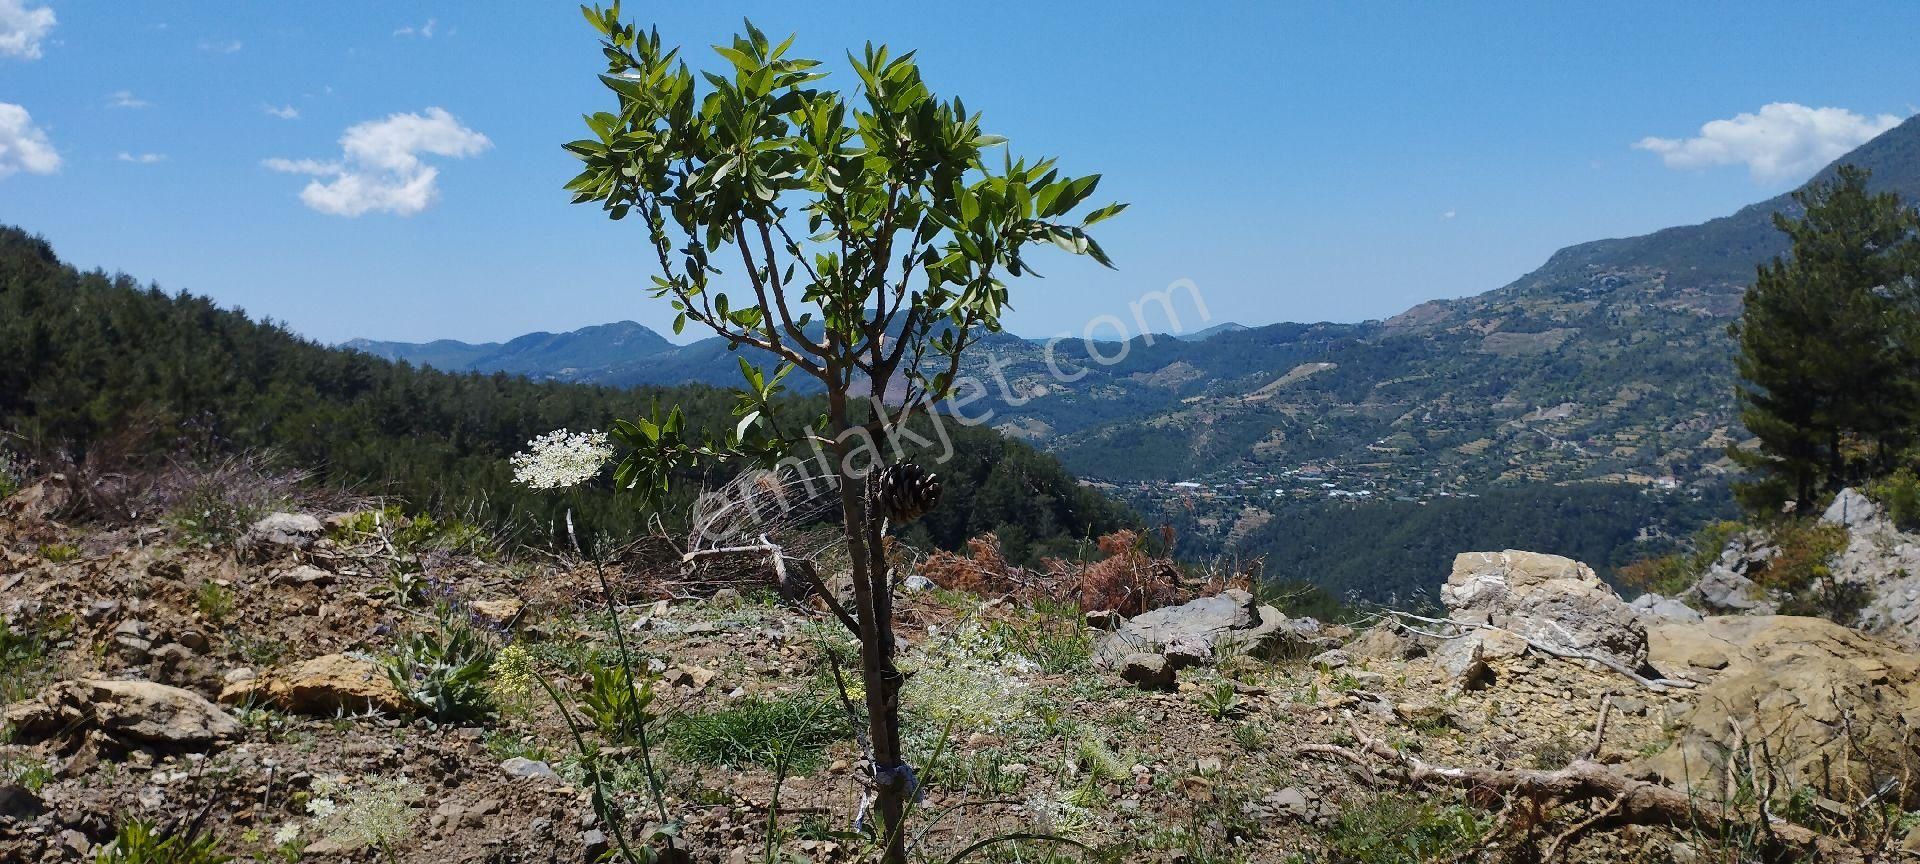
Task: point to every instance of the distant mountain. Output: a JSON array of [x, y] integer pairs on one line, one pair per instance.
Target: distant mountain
[[586, 354], [1609, 363], [1210, 332]]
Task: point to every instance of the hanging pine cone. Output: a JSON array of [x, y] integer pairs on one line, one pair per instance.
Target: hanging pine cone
[[905, 492]]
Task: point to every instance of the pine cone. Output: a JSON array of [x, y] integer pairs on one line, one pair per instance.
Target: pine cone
[[905, 492]]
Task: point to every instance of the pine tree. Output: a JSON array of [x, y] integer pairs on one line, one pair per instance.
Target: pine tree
[[1825, 343]]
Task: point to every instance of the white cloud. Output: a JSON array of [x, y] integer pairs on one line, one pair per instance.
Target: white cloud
[[125, 99], [284, 112], [1783, 141], [380, 167], [424, 31], [1449, 214], [22, 29], [24, 146], [141, 158], [218, 46]]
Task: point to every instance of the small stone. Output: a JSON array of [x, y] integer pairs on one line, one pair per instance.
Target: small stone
[[1147, 671], [1290, 802], [1105, 619], [499, 613], [172, 655], [521, 766], [76, 843], [594, 844], [1419, 713], [1332, 659], [917, 583], [18, 803], [725, 597], [305, 574]]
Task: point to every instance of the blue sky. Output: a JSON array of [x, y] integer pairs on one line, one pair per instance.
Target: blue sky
[[1297, 162]]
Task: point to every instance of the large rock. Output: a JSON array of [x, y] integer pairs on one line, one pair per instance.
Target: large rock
[[278, 532], [134, 712], [1547, 599], [1726, 588], [323, 687], [1664, 608], [1852, 509], [1830, 707], [1886, 561], [1200, 628]]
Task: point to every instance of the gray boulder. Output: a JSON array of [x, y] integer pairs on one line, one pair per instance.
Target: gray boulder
[[1664, 608], [1548, 599], [278, 532], [1852, 509], [1724, 590], [1202, 628]]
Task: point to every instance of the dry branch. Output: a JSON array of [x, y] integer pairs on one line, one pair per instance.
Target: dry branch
[[1627, 801]]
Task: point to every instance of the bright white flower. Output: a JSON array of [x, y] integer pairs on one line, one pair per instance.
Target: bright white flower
[[321, 807], [287, 834], [561, 459]]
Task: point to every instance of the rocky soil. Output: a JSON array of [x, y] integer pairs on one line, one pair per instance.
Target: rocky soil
[[259, 711]]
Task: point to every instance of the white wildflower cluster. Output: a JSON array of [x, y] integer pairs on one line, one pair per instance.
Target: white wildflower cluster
[[969, 676], [561, 459], [376, 812]]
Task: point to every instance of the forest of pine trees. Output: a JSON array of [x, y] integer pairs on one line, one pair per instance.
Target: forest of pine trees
[[97, 367]]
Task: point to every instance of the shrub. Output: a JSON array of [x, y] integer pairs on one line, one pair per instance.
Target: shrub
[[792, 730], [23, 662], [1675, 572], [984, 570], [444, 671], [137, 841], [1128, 580], [1402, 829], [13, 472], [59, 553], [968, 677], [213, 505], [1899, 493], [616, 703], [215, 601]]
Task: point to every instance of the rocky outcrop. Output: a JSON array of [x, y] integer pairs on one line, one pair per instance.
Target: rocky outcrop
[[1883, 559], [1547, 599], [322, 687], [1726, 588], [134, 713], [1195, 632], [1827, 707]]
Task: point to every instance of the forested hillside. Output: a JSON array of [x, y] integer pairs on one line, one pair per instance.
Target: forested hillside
[[96, 368]]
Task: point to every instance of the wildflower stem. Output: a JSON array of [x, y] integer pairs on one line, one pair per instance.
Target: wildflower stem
[[626, 664], [602, 804]]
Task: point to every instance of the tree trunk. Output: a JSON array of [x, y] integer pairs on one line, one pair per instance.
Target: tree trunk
[[873, 602]]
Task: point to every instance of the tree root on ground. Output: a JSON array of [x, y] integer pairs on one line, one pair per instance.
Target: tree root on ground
[[1622, 800]]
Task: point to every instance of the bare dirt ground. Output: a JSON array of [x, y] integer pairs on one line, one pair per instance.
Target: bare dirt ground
[[1028, 736]]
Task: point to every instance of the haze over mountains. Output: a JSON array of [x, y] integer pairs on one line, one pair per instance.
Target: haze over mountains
[[1610, 362]]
